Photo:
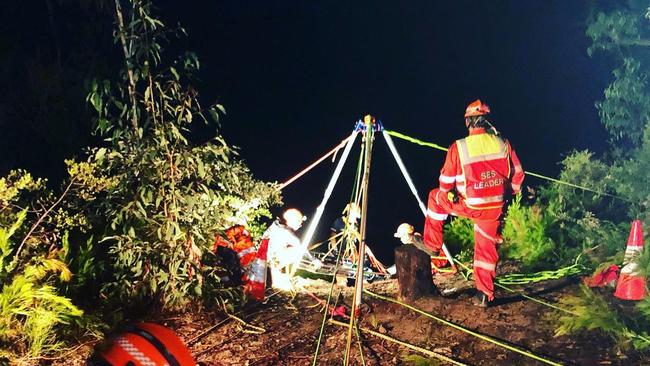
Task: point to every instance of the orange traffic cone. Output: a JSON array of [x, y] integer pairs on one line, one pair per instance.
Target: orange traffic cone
[[631, 285]]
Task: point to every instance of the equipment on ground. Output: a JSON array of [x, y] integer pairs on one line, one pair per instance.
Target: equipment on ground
[[143, 344]]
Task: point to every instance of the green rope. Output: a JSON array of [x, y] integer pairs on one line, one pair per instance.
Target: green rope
[[416, 141], [520, 293], [579, 187], [526, 278], [535, 299], [327, 305], [404, 344], [465, 330], [438, 147], [363, 360]]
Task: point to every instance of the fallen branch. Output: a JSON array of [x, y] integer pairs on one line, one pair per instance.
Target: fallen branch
[[40, 219]]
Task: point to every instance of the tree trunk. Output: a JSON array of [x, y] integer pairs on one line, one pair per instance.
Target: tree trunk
[[413, 273]]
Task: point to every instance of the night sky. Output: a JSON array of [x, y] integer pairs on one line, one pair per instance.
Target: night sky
[[294, 77]]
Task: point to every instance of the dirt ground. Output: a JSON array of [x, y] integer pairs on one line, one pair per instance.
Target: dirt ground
[[283, 331], [291, 327]]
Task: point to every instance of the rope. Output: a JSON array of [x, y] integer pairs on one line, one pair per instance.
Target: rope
[[465, 330], [329, 300], [402, 343], [497, 283], [328, 192], [416, 141], [363, 360], [579, 187], [524, 278], [405, 173], [438, 147], [409, 182], [310, 167]]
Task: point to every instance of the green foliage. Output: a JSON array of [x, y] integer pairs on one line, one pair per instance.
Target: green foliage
[[459, 237], [575, 226], [644, 308], [601, 223], [16, 182], [581, 168], [642, 262], [589, 312], [167, 195], [620, 28], [632, 175], [31, 308], [82, 261], [525, 236], [525, 233], [626, 108], [216, 272], [417, 360]]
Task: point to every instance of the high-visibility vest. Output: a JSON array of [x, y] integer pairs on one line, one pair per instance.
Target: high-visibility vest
[[240, 241], [486, 170]]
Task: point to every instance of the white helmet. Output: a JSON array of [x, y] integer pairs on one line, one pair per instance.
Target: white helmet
[[293, 218], [403, 230]]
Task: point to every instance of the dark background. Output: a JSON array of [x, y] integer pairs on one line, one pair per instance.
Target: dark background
[[294, 77]]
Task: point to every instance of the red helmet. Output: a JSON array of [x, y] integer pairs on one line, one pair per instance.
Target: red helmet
[[477, 108], [143, 344]]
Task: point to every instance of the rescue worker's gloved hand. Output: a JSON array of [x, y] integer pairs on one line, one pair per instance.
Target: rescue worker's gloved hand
[[452, 196]]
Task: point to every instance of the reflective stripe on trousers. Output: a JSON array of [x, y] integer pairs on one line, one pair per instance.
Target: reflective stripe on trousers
[[486, 224], [485, 256]]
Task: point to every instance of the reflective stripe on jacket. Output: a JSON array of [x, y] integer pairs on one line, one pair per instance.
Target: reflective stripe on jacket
[[483, 168]]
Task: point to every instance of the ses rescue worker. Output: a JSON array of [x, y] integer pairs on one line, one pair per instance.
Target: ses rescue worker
[[284, 248], [480, 173]]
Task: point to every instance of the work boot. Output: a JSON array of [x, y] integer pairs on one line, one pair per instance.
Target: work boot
[[481, 300]]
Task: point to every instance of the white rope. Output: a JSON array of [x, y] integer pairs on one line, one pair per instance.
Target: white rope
[[405, 173], [409, 181], [319, 210]]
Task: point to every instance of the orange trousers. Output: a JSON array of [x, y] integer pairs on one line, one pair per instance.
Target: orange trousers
[[486, 237]]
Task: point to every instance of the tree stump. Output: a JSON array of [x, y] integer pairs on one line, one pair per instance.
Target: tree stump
[[413, 273]]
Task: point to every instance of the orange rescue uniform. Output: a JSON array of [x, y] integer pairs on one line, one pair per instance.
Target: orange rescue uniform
[[484, 170]]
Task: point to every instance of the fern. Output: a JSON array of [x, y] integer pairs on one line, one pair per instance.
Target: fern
[[30, 308], [6, 248], [590, 311]]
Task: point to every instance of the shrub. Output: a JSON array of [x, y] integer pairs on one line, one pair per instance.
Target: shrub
[[526, 236], [31, 307], [172, 194]]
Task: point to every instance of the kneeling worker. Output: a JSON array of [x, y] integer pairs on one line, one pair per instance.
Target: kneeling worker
[[284, 248]]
